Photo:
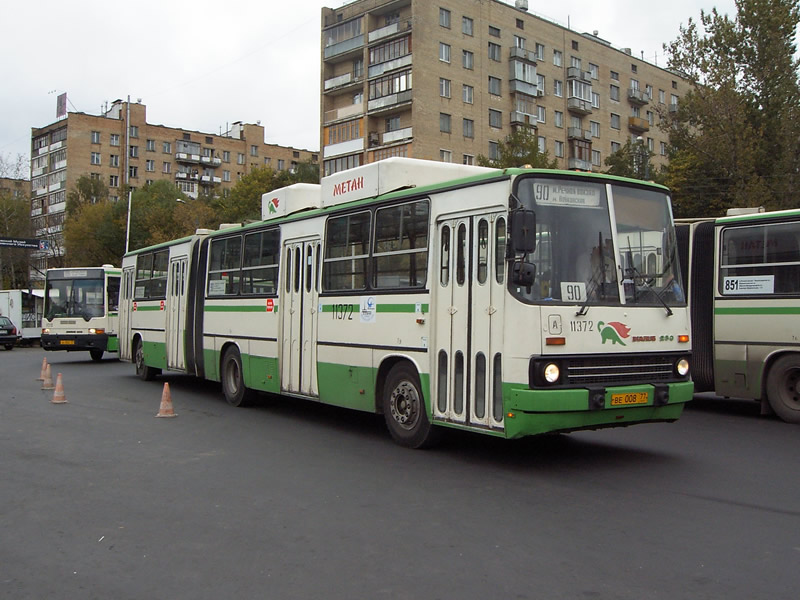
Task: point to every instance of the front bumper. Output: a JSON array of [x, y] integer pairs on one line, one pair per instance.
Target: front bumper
[[75, 342]]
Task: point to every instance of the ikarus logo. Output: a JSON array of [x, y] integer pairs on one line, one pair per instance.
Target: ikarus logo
[[272, 207], [613, 331]]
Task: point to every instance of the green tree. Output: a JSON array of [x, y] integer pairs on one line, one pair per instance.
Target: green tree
[[633, 160], [87, 190], [519, 149], [735, 137], [15, 222]]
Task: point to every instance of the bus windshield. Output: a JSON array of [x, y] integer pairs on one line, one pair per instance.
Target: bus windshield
[[74, 298], [584, 256]]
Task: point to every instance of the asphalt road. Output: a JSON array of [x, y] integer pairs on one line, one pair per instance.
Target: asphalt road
[[288, 499]]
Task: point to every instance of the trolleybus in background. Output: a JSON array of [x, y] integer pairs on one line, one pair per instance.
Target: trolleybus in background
[[743, 278], [439, 295], [81, 310]]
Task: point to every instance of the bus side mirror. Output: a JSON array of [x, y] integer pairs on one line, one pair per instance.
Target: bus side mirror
[[523, 273], [523, 231]]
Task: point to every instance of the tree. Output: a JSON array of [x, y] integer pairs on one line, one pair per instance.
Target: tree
[[94, 227], [519, 149], [633, 160], [87, 190], [735, 137], [15, 222]]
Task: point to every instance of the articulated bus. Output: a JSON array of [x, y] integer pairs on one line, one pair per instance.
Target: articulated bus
[[436, 294], [81, 310], [743, 277]]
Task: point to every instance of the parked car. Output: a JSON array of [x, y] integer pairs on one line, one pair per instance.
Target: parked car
[[9, 335]]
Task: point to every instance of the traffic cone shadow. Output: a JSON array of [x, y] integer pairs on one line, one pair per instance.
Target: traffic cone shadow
[[165, 410], [44, 366], [47, 384], [59, 397]]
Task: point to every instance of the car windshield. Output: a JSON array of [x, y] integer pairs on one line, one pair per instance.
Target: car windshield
[[584, 256], [5, 322], [74, 298]]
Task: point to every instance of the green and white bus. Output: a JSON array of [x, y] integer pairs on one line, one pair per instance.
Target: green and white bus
[[436, 294], [81, 310], [743, 277]]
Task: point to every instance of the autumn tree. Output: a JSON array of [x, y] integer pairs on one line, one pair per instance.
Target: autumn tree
[[519, 149], [735, 136]]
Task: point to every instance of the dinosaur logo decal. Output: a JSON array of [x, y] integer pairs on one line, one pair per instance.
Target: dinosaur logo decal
[[613, 331]]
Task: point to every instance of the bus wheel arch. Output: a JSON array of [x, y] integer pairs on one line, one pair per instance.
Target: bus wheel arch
[[144, 372], [783, 387], [403, 404], [231, 372]]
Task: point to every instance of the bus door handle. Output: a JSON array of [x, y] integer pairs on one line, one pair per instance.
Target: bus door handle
[[452, 310]]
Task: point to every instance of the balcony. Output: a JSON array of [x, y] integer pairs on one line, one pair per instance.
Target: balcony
[[576, 73], [342, 148], [390, 137], [212, 161], [576, 133], [345, 48], [578, 164], [389, 30], [521, 53], [187, 158], [522, 87], [521, 118], [346, 112], [579, 106], [184, 176], [638, 124], [210, 179], [342, 82], [389, 102], [638, 97], [391, 65]]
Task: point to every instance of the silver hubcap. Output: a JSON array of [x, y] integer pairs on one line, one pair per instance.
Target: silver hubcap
[[405, 405]]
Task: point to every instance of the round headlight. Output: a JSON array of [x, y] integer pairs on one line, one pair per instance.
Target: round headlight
[[551, 373], [682, 367]]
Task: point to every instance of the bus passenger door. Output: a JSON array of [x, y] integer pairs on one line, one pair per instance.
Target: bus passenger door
[[176, 313], [125, 301], [468, 332], [299, 299]]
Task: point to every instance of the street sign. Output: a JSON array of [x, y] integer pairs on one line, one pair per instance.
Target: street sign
[[7, 242]]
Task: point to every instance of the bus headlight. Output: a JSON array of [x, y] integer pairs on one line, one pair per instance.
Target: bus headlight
[[682, 367], [45, 330], [92, 330], [551, 372]]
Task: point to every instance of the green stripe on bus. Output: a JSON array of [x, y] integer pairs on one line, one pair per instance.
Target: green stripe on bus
[[381, 308], [235, 308], [759, 310], [146, 308]]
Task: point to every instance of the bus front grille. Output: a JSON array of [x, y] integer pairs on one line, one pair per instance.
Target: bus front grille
[[619, 369]]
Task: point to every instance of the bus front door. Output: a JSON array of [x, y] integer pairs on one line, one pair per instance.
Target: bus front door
[[467, 375], [298, 306], [176, 313]]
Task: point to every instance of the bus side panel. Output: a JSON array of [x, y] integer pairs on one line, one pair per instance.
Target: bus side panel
[[260, 366], [345, 385]]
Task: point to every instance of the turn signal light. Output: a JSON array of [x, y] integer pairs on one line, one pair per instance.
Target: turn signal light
[[683, 339], [556, 341]]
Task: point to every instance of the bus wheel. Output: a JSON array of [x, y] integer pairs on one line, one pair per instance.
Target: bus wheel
[[404, 409], [97, 355], [144, 372], [783, 388], [236, 393]]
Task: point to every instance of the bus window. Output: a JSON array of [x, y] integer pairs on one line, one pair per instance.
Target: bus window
[[500, 250], [401, 246], [461, 252], [309, 267], [444, 273], [224, 268], [346, 252], [260, 268], [483, 251]]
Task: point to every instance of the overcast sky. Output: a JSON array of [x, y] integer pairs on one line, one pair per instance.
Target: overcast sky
[[203, 64]]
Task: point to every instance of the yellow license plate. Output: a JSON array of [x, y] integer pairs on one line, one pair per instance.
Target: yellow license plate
[[67, 342], [629, 399]]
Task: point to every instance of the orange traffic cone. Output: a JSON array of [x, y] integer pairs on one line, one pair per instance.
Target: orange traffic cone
[[47, 384], [44, 366], [166, 404], [59, 397]]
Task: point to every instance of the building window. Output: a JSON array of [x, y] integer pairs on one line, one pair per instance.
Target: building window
[[467, 26], [614, 121], [444, 87], [541, 114], [468, 94], [384, 53], [494, 151], [134, 151], [469, 128], [281, 164], [613, 92], [444, 18], [113, 139], [468, 159], [596, 158], [558, 118], [594, 128], [166, 147], [150, 165], [113, 181], [468, 59], [574, 45], [594, 71], [539, 51], [133, 172], [226, 175], [595, 100], [392, 124], [519, 42], [663, 148], [253, 150], [114, 160], [494, 31], [240, 158], [495, 119], [615, 147], [446, 156], [494, 86], [134, 131], [494, 51], [167, 167], [559, 150], [444, 52], [226, 156], [520, 24], [557, 58], [151, 145], [575, 62], [95, 137], [634, 69], [614, 75], [444, 122], [542, 142], [95, 158], [558, 88]]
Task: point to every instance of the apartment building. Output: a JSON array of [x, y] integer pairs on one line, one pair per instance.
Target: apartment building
[[14, 188], [450, 79], [121, 148]]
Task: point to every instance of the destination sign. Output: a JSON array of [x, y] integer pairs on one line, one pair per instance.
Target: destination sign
[[566, 194]]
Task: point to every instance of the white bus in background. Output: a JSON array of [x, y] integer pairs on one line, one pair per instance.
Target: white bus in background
[[439, 295], [743, 277], [24, 308], [81, 310]]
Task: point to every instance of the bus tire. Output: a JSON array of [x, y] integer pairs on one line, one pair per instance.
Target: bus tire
[[404, 409], [9, 346], [783, 388], [97, 355], [144, 372], [236, 393]]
